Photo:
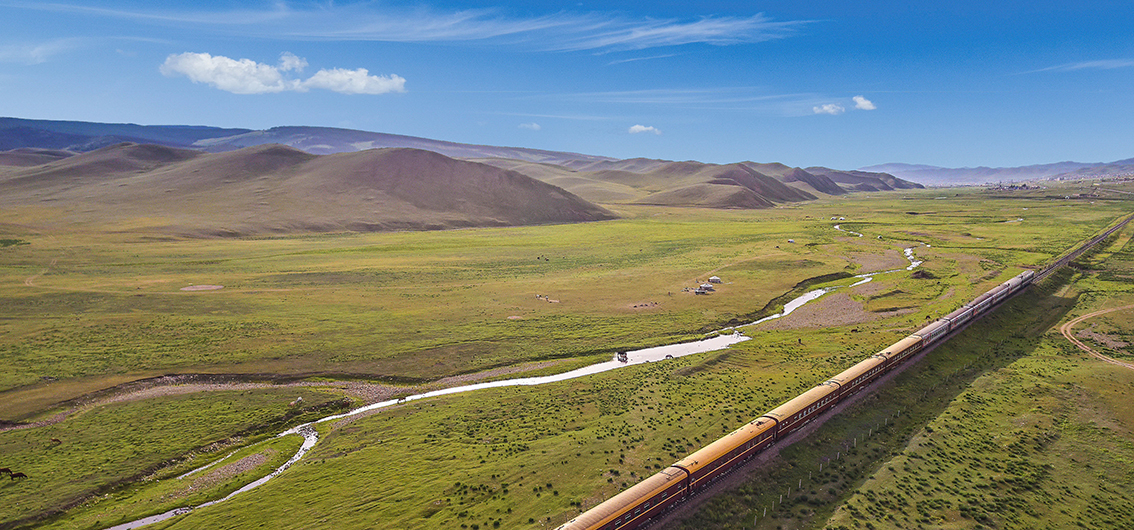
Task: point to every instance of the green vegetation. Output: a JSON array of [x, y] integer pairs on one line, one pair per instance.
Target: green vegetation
[[85, 311], [112, 446], [1005, 426]]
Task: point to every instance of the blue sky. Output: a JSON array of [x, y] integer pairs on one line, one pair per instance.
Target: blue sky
[[838, 84]]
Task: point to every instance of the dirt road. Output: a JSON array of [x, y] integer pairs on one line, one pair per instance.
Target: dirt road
[[1066, 331]]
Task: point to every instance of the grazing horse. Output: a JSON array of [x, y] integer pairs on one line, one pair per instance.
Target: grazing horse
[[6, 470], [17, 475], [56, 441]]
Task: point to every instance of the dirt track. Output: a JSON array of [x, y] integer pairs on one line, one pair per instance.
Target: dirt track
[[1066, 331]]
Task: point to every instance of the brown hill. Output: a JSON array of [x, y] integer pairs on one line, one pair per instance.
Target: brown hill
[[863, 180], [796, 176], [687, 183], [273, 188], [30, 156], [107, 163]]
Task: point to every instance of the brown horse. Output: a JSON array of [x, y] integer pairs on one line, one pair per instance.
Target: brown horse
[[56, 441], [17, 475], [6, 470]]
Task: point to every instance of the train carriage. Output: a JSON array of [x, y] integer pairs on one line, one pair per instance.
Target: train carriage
[[959, 317], [803, 408], [932, 332], [635, 506], [999, 293], [721, 456], [981, 303], [906, 347], [853, 378]]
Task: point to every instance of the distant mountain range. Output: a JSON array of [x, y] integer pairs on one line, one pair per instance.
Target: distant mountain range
[[943, 176], [81, 137], [204, 180]]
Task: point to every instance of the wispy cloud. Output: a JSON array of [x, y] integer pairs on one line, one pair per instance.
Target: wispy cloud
[[1105, 64], [829, 108], [638, 129], [36, 53], [635, 59], [533, 126], [862, 103], [245, 76], [370, 21]]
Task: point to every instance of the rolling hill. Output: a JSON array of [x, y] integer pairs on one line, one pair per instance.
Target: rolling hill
[[696, 184], [593, 178], [275, 188]]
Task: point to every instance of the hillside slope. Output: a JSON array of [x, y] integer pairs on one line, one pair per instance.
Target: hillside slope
[[275, 189]]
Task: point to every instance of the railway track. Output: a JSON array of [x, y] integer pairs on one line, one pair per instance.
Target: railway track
[[658, 496], [1059, 263]]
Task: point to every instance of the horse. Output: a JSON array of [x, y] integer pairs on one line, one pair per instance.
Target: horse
[[56, 441], [6, 470], [17, 475]]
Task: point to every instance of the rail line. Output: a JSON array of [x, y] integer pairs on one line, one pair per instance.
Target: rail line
[[654, 497]]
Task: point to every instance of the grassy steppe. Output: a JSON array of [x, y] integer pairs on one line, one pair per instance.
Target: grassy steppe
[[87, 310], [1005, 426]]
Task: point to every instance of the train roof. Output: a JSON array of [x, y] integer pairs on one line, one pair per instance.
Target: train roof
[[957, 314], [980, 299], [863, 366], [803, 400], [703, 456], [934, 326], [619, 504], [900, 346]]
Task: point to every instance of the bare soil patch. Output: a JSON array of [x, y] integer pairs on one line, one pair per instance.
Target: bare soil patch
[[202, 288], [871, 262], [837, 309], [1102, 338], [223, 473]]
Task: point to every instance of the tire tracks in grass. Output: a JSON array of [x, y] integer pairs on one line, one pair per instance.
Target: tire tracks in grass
[[1066, 330]]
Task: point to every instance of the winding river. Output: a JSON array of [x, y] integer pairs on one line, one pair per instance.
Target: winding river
[[717, 342]]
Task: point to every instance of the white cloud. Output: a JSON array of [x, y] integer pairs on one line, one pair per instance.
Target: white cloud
[[245, 76], [288, 61], [355, 82], [533, 126], [862, 103], [829, 108], [239, 77], [642, 128]]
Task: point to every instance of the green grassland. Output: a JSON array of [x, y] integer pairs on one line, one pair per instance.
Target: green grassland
[[114, 447], [86, 309], [1005, 426]]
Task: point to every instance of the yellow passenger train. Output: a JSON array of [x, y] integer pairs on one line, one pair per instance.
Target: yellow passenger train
[[638, 505]]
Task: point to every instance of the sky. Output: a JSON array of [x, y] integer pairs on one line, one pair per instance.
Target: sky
[[831, 83]]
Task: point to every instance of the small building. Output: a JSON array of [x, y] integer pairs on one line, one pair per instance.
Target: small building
[[707, 287], [714, 279]]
